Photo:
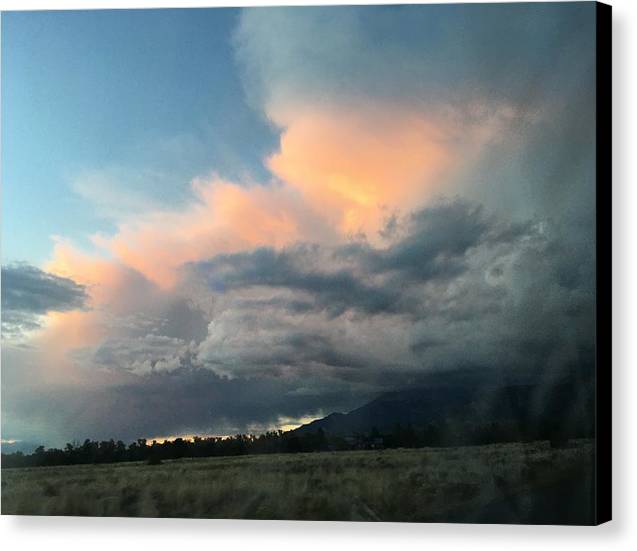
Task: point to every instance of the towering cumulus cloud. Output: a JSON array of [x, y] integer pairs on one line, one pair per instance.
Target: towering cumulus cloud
[[366, 123], [417, 218]]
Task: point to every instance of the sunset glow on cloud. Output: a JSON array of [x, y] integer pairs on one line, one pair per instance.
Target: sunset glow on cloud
[[341, 174], [329, 204], [351, 164]]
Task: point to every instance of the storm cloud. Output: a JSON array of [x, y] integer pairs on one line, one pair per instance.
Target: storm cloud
[[428, 210], [325, 54], [456, 287], [252, 339]]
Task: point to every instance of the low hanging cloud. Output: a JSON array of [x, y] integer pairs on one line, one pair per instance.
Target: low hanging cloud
[[29, 293], [167, 403], [313, 327]]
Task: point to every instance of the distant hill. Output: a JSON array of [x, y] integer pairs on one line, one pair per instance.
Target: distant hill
[[462, 412]]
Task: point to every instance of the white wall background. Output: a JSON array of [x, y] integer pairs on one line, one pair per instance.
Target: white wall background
[[98, 534]]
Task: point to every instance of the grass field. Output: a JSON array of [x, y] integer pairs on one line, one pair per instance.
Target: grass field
[[494, 483]]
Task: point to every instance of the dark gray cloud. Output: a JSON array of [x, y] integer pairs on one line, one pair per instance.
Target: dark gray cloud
[[167, 403], [433, 54], [28, 292], [456, 286], [300, 331], [333, 291], [280, 334], [432, 245], [29, 289], [435, 242]]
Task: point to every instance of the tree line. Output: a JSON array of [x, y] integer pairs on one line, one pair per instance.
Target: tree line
[[408, 436], [111, 451]]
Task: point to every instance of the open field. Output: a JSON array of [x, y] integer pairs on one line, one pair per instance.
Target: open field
[[495, 483]]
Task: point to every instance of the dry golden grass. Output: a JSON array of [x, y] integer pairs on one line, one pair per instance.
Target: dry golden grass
[[390, 485]]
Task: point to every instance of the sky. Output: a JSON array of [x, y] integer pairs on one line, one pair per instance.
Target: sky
[[225, 220]]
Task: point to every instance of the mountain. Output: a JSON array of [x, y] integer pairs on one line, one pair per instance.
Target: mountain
[[462, 412]]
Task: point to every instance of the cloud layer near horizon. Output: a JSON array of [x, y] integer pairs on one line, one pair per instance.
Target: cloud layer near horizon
[[399, 235]]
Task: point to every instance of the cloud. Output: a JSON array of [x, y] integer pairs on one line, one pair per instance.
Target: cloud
[[451, 287], [294, 269], [448, 285], [223, 217], [343, 273], [116, 193], [134, 325], [350, 163], [456, 287], [430, 245], [415, 55], [29, 289], [364, 133], [434, 242], [28, 293], [489, 99], [183, 401], [371, 126], [143, 354]]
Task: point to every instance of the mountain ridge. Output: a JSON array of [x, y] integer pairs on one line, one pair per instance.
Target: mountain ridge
[[521, 411]]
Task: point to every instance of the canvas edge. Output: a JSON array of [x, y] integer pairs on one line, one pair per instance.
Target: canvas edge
[[603, 360]]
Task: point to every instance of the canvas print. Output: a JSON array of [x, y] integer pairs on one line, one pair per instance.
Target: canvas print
[[307, 263]]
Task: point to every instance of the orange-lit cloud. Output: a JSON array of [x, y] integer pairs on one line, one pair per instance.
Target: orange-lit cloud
[[351, 164], [339, 172], [224, 217], [70, 330], [104, 279]]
